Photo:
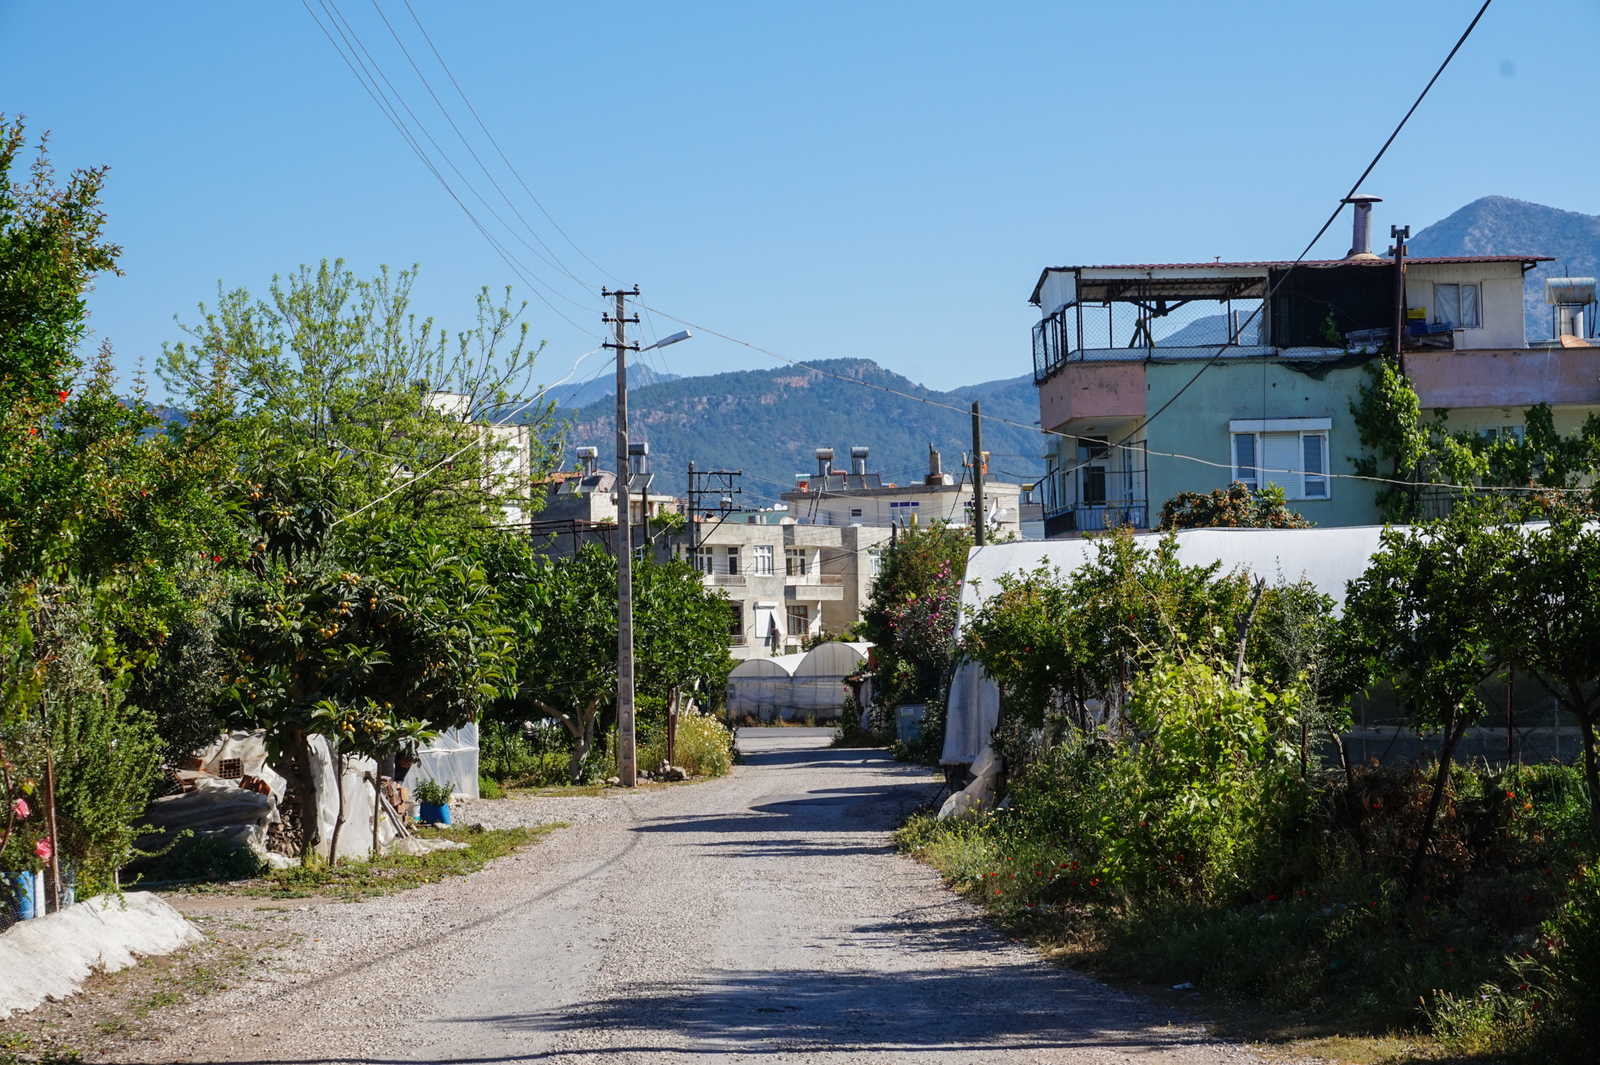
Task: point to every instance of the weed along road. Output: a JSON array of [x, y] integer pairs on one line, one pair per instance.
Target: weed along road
[[763, 916]]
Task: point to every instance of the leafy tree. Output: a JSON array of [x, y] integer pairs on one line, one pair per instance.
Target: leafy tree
[[371, 646], [1402, 446], [51, 247], [1550, 591], [1423, 616], [1237, 506], [329, 362], [1389, 423], [564, 615], [1055, 641], [911, 613]]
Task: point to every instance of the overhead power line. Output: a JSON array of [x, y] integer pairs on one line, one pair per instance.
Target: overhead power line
[[1210, 362], [372, 79]]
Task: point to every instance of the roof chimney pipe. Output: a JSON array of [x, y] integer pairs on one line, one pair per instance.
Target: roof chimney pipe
[[935, 472], [858, 459], [589, 457], [1361, 226], [824, 461]]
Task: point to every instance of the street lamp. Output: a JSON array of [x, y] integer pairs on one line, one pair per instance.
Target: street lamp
[[627, 753]]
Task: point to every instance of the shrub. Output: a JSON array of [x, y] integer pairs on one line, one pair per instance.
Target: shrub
[[704, 746], [434, 792], [1185, 811]]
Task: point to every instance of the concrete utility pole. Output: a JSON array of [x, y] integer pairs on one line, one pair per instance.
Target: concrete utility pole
[[978, 520], [1400, 234], [627, 759]]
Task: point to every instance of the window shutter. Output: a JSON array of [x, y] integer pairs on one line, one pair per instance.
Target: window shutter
[[1280, 453]]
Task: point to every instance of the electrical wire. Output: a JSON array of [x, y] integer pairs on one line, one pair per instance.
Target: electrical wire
[[1220, 350], [369, 82], [472, 444], [496, 144], [400, 98], [553, 260]]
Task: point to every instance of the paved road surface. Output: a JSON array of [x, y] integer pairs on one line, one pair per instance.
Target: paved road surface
[[762, 917]]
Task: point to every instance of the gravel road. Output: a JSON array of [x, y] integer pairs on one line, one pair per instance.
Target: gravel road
[[763, 916]]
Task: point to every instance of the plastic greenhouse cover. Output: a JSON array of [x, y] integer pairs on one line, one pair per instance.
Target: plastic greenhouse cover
[[1328, 558]]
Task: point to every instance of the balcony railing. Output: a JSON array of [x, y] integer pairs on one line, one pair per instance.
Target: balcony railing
[[1104, 490], [725, 580], [738, 641], [1084, 517], [815, 578]]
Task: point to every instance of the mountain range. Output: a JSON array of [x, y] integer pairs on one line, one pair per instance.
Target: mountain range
[[768, 423]]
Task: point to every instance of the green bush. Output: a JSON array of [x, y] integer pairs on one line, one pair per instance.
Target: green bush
[[1188, 811], [434, 792], [704, 746]]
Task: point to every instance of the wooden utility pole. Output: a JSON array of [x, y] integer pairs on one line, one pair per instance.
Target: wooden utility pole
[[627, 767], [978, 519]]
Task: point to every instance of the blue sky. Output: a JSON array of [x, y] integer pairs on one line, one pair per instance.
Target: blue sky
[[826, 180]]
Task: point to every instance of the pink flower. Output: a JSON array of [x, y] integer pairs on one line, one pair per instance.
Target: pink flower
[[42, 849], [19, 807]]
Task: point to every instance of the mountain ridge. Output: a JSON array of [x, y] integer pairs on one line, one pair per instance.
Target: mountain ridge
[[769, 422], [1500, 225]]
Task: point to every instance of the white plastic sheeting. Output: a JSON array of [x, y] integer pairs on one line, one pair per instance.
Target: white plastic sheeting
[[974, 711], [795, 685], [763, 687], [355, 838], [1328, 558], [251, 750], [818, 685], [451, 759], [52, 956]]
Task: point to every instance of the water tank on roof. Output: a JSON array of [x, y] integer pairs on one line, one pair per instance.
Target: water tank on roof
[[1569, 290]]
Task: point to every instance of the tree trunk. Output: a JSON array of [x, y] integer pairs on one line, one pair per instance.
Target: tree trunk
[[338, 823], [1452, 734], [1242, 627], [298, 773], [377, 808]]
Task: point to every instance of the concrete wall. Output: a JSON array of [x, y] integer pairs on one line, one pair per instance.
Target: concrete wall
[[1197, 425], [1505, 378], [1093, 390]]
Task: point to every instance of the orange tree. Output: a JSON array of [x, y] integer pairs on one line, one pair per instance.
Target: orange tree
[[564, 617], [371, 644], [1237, 506]]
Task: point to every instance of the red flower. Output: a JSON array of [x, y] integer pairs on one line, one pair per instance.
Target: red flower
[[63, 395], [42, 849]]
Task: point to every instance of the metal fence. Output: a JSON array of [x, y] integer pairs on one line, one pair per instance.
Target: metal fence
[[1104, 489], [1143, 329]]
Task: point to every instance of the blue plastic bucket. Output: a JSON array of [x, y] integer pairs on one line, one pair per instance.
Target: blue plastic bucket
[[435, 813]]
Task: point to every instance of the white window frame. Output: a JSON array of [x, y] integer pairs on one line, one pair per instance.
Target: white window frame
[[1460, 287], [874, 561], [762, 561], [731, 561], [796, 561], [1258, 429], [798, 612]]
